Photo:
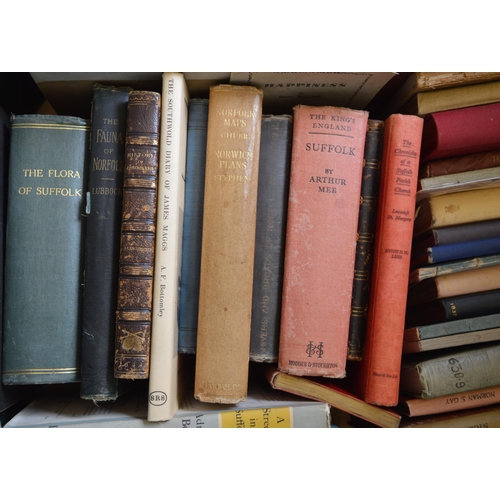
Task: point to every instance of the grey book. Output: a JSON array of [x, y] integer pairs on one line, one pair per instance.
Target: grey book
[[272, 202]]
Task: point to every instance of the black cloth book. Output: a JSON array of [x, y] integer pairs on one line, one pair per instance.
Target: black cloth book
[[450, 308], [367, 221], [102, 245]]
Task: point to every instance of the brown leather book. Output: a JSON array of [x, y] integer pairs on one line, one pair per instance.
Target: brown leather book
[[228, 243], [135, 282], [458, 164]]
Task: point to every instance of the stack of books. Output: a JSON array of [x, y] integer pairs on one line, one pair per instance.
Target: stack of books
[[452, 329], [428, 92]]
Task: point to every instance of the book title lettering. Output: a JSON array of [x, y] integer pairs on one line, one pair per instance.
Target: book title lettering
[[457, 372], [50, 191], [234, 160], [453, 400], [404, 172], [108, 137], [236, 117]]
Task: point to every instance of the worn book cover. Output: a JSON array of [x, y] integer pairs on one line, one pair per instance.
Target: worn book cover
[[463, 181], [460, 164], [456, 307], [482, 417], [163, 399], [457, 251], [333, 393], [193, 224], [367, 221], [455, 266], [455, 234], [447, 328], [453, 284], [461, 131], [228, 243], [456, 370], [44, 249], [425, 81], [458, 97], [320, 249], [378, 375], [272, 200], [415, 407], [457, 208], [137, 238], [457, 340], [103, 213]]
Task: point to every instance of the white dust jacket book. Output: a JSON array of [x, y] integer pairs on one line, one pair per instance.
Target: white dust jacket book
[[163, 400]]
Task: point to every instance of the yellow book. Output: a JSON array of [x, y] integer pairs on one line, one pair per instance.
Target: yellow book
[[457, 208], [464, 96]]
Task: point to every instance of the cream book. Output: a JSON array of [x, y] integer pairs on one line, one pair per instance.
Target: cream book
[[163, 398]]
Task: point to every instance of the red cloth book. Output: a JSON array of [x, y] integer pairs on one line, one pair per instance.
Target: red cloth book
[[322, 223], [461, 131], [379, 372]]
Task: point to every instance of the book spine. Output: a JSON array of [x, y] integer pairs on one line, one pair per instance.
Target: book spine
[[457, 372], [459, 233], [445, 404], [453, 308], [432, 271], [468, 281], [452, 327], [366, 236], [474, 418], [458, 132], [193, 224], [463, 250], [272, 200], [228, 241], [452, 98], [163, 400], [137, 237], [467, 232], [102, 244], [386, 315], [322, 222], [461, 339], [456, 209], [44, 252], [464, 163]]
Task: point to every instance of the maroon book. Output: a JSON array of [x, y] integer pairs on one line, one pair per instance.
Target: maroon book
[[461, 131]]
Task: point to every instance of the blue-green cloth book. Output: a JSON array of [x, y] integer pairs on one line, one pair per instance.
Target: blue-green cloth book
[[44, 249], [193, 224]]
